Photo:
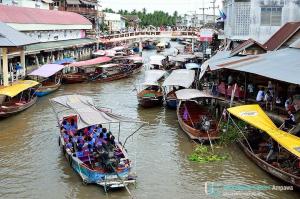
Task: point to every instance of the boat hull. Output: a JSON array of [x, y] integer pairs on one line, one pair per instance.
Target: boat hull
[[89, 176], [45, 90], [171, 103], [9, 111], [148, 102], [193, 132], [74, 78], [280, 174]]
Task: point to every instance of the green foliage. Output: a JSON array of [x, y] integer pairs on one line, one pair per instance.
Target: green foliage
[[157, 18], [203, 154], [230, 133]]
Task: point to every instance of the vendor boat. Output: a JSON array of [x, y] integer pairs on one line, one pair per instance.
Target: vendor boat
[[195, 113], [50, 76], [79, 72], [284, 162], [105, 162], [17, 97], [111, 72], [178, 79], [152, 95]]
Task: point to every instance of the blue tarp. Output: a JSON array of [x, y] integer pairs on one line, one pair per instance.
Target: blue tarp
[[66, 60]]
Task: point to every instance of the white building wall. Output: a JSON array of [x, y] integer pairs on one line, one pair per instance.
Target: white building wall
[[56, 35], [244, 18], [27, 3]]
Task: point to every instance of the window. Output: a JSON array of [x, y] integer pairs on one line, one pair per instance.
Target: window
[[271, 16]]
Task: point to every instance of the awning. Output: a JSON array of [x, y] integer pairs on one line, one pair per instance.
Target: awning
[[59, 45], [256, 117], [99, 52], [64, 61], [17, 87], [187, 94], [180, 77], [91, 62], [110, 53], [87, 112], [89, 2], [282, 65], [192, 66], [47, 70], [152, 76], [73, 2], [119, 48]]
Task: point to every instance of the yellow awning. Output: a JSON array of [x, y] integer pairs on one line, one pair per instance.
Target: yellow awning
[[17, 87], [255, 116]]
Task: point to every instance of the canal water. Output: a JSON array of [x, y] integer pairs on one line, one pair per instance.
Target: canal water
[[32, 165]]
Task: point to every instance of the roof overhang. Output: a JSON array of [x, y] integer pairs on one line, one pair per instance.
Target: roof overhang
[[32, 27]]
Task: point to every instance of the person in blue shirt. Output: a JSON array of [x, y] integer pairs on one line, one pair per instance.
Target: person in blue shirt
[[79, 152], [66, 125]]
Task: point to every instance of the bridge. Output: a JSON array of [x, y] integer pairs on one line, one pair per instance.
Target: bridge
[[138, 35]]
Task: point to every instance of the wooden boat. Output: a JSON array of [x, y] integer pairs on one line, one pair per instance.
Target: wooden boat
[[17, 97], [81, 71], [150, 44], [152, 95], [285, 165], [181, 78], [49, 76], [160, 47], [196, 117], [105, 162]]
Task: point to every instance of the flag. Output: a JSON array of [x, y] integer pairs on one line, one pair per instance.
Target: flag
[[222, 15]]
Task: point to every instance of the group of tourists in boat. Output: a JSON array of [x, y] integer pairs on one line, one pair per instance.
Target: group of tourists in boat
[[90, 148]]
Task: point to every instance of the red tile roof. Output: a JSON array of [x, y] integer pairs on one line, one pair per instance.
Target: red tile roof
[[21, 15], [282, 35], [245, 45]]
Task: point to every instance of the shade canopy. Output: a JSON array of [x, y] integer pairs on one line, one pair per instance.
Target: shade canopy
[[161, 44], [157, 59], [18, 87], [88, 113], [255, 116], [192, 66], [110, 53], [119, 48], [180, 77], [47, 70], [91, 62], [187, 94], [66, 60], [152, 76]]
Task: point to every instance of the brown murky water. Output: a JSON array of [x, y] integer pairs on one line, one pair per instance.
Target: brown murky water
[[32, 165]]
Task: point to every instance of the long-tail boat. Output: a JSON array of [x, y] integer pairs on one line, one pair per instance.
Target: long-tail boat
[[17, 97], [152, 95], [111, 72], [160, 47], [181, 78], [195, 113], [49, 76], [104, 162], [81, 71], [275, 151]]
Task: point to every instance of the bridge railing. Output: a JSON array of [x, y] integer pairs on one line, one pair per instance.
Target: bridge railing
[[136, 34]]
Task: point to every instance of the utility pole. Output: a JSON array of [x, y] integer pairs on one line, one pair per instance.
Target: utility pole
[[203, 15], [214, 8]]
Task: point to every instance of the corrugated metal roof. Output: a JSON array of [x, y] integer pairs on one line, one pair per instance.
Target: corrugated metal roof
[[21, 15], [282, 35], [10, 37], [246, 44], [281, 65], [73, 2]]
